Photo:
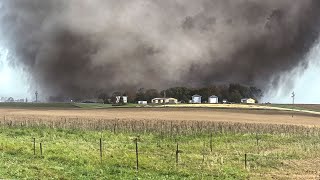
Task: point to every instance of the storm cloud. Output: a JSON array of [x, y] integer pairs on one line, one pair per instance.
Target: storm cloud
[[76, 48]]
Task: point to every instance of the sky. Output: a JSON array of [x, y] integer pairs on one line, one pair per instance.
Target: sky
[[306, 84]]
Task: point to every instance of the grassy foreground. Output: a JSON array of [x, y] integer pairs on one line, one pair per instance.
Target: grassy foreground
[[75, 154]]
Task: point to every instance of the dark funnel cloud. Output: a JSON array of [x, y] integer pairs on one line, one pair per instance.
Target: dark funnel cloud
[[78, 48]]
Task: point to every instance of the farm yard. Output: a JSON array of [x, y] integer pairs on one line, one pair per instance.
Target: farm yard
[[158, 143]]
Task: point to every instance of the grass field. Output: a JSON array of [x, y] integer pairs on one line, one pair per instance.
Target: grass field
[[212, 143], [75, 154]]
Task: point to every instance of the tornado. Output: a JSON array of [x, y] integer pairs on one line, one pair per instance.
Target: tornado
[[79, 48]]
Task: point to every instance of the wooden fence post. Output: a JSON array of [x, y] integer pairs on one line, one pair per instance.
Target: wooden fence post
[[211, 142], [203, 151], [101, 150], [41, 149], [137, 154], [34, 146], [245, 161], [177, 154]]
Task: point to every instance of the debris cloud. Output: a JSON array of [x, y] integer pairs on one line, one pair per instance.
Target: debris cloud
[[77, 48]]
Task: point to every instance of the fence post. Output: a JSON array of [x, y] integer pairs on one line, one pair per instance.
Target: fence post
[[245, 161], [34, 146], [211, 141], [203, 151], [177, 154], [171, 129], [137, 154], [41, 149], [101, 150]]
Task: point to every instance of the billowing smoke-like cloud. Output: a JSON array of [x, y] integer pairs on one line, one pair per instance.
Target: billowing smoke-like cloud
[[74, 48]]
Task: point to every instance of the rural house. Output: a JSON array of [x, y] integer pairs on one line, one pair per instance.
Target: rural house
[[164, 101], [248, 101], [143, 102], [196, 99], [123, 100], [213, 99]]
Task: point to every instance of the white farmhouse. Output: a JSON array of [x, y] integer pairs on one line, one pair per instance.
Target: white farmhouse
[[164, 100], [143, 102], [213, 99], [124, 99], [248, 101], [196, 99]]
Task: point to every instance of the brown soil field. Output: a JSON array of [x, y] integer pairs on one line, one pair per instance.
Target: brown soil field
[[179, 114]]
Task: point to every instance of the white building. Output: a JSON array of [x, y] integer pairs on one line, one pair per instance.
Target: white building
[[143, 102], [196, 99], [213, 99], [248, 101], [164, 101], [124, 99]]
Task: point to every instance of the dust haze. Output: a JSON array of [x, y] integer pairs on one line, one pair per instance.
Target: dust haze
[[78, 48]]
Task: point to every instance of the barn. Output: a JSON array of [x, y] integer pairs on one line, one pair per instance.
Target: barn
[[213, 99], [196, 99]]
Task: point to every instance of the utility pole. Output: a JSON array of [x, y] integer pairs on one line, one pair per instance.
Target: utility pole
[[36, 96], [164, 98], [293, 96]]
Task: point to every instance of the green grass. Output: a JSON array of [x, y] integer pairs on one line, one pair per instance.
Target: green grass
[[74, 154], [92, 105]]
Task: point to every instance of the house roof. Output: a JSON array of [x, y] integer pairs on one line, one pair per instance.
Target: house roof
[[244, 99], [163, 98], [196, 95], [213, 96]]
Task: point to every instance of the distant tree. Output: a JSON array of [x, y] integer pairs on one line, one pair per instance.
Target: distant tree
[[104, 97], [140, 95], [150, 94], [100, 101], [223, 92], [206, 92], [181, 93], [131, 94], [256, 93], [235, 96]]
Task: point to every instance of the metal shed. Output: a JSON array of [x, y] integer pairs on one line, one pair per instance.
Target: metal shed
[[213, 99], [196, 99]]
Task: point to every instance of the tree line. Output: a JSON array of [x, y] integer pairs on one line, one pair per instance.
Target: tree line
[[231, 93]]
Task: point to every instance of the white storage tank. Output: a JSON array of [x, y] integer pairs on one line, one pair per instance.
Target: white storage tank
[[213, 99], [196, 99]]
